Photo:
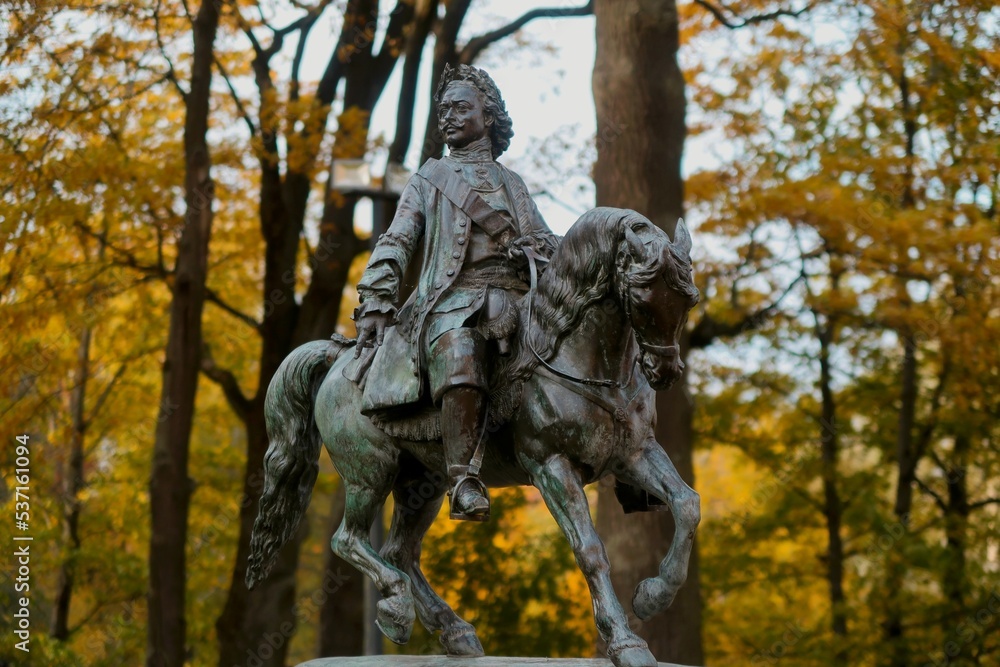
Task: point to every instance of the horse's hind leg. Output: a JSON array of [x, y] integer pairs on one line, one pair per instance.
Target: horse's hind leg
[[566, 499], [653, 471], [418, 497], [351, 542]]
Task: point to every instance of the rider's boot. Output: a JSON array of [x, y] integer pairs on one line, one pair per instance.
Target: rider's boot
[[463, 417]]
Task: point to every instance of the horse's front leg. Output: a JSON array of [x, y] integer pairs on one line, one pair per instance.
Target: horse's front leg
[[652, 470], [562, 490]]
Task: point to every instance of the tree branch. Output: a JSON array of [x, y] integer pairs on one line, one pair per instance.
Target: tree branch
[[129, 259], [445, 53], [236, 98], [171, 72], [932, 493], [708, 329], [300, 48], [302, 22], [104, 395], [476, 45], [802, 493], [227, 382], [983, 503], [415, 42], [248, 31], [100, 606], [212, 297], [392, 46], [326, 91], [719, 12]]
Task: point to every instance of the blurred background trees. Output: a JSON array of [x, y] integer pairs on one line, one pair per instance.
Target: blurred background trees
[[171, 231]]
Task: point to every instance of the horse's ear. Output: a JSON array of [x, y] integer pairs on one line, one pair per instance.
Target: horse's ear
[[627, 248], [682, 238]]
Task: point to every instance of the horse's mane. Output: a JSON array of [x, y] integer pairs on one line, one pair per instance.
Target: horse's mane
[[582, 271]]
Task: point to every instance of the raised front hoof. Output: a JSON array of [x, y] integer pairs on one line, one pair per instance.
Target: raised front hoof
[[394, 617], [651, 597], [462, 643], [632, 656]]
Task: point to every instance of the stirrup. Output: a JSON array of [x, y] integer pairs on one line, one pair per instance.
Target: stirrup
[[485, 492]]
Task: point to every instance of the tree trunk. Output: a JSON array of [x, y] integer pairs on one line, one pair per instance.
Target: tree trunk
[[72, 484], [906, 467], [832, 505], [907, 455], [169, 487], [958, 509], [640, 100], [260, 623]]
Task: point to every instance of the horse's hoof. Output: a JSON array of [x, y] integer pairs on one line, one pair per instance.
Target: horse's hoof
[[632, 656], [394, 617], [651, 597], [462, 643]]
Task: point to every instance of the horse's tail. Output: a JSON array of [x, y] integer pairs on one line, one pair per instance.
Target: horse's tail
[[292, 460]]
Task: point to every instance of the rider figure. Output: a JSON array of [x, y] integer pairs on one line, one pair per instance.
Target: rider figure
[[470, 217]]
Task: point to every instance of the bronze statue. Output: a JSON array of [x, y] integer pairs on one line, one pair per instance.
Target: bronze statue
[[555, 389]]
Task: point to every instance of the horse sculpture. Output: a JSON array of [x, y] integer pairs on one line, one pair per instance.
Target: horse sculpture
[[615, 296]]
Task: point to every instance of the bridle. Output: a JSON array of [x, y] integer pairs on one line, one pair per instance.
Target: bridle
[[644, 345]]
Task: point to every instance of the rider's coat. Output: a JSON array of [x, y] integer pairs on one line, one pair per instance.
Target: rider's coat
[[455, 253]]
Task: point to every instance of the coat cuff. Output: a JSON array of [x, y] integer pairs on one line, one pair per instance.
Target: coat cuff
[[374, 304]]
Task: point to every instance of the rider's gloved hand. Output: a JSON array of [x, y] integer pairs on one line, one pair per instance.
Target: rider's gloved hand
[[371, 320], [542, 243], [516, 250]]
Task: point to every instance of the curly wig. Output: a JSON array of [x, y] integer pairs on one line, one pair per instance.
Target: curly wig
[[502, 128]]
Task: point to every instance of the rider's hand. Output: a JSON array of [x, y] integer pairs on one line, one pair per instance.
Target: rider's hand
[[371, 330], [517, 246]]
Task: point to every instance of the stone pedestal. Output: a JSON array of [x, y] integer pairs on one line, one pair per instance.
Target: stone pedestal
[[445, 661]]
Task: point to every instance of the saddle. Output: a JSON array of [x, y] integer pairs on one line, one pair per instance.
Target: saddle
[[424, 424]]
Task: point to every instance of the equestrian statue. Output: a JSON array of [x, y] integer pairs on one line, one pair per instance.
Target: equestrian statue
[[519, 358]]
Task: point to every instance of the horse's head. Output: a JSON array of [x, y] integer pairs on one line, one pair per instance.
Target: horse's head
[[656, 288]]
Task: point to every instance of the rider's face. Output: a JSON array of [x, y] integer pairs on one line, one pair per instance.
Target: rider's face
[[461, 116]]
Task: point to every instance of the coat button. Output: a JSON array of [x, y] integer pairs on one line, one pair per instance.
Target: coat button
[[456, 254], [451, 272], [461, 223], [461, 240], [437, 286]]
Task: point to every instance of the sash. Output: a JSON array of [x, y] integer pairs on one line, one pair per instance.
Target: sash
[[454, 188]]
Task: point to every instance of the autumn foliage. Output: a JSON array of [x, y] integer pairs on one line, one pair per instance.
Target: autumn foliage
[[843, 180]]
